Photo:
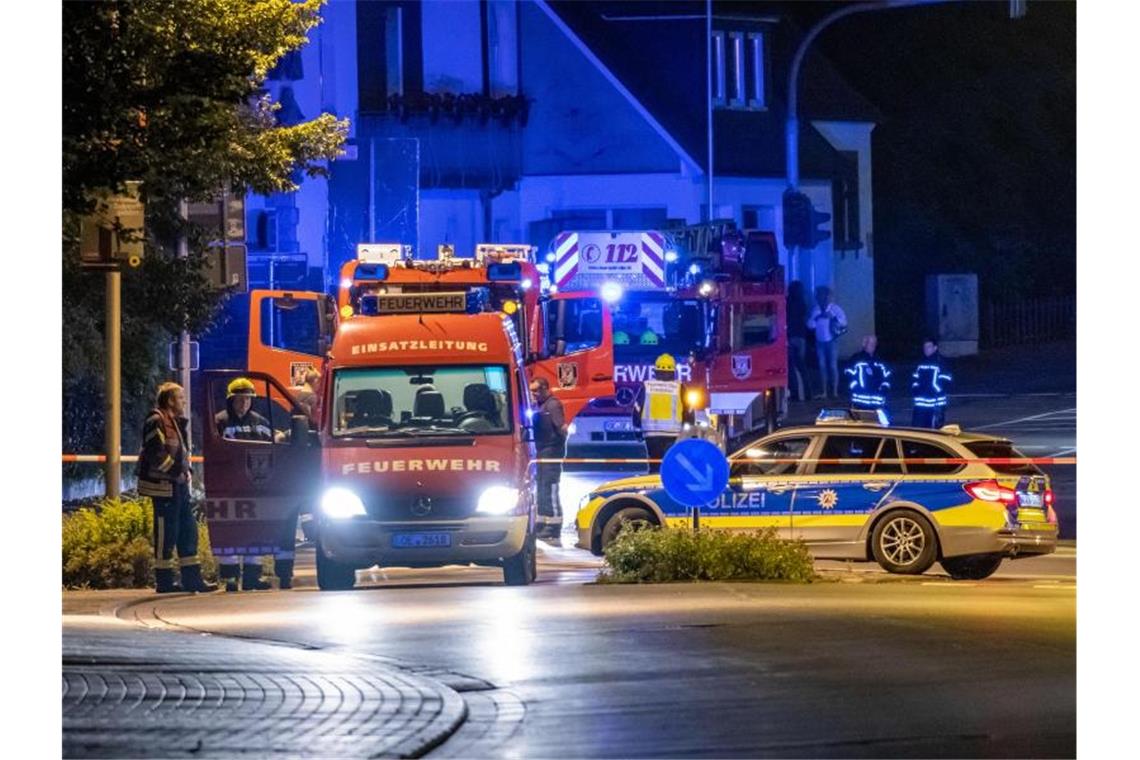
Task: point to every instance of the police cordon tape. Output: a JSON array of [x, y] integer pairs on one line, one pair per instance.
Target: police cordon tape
[[99, 458]]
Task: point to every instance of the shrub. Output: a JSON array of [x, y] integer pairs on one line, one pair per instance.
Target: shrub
[[108, 545], [659, 555]]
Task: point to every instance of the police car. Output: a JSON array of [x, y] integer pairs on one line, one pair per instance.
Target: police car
[[858, 490]]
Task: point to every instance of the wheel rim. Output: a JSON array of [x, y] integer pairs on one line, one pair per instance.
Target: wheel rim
[[902, 541]]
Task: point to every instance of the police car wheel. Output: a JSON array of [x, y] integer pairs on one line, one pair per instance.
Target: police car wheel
[[972, 568], [332, 575], [903, 542], [522, 569], [613, 525]]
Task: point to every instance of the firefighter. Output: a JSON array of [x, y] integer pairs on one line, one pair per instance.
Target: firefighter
[[659, 410], [870, 377], [164, 476], [550, 441], [239, 422], [928, 385]]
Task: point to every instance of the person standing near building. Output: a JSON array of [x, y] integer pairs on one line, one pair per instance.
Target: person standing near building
[[869, 377], [164, 476], [829, 322], [929, 384], [550, 442], [659, 410], [239, 422], [797, 315]]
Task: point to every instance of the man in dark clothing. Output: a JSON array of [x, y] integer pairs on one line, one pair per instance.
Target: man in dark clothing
[[550, 442], [869, 377], [797, 315], [164, 476], [239, 422], [928, 385]]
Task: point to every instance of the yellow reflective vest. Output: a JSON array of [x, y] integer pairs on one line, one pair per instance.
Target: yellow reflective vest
[[661, 413]]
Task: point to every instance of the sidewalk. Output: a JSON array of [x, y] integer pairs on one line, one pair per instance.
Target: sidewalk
[[130, 691]]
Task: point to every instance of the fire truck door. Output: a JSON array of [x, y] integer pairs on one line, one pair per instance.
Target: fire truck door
[[261, 469], [289, 332], [577, 355]]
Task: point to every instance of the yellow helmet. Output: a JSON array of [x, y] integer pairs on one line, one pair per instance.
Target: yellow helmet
[[666, 363], [242, 386], [621, 338]]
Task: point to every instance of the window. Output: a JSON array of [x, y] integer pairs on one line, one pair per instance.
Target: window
[[573, 325], [502, 47], [291, 324], [394, 49], [890, 450], [396, 402], [756, 460], [1004, 449], [646, 325], [753, 324], [738, 71], [845, 202], [923, 450], [848, 447]]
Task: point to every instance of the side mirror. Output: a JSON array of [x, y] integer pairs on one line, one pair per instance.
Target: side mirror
[[299, 431]]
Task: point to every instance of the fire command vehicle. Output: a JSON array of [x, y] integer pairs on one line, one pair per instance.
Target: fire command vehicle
[[709, 295], [422, 450]]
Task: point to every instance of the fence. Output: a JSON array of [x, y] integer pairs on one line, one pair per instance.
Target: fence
[[1007, 323]]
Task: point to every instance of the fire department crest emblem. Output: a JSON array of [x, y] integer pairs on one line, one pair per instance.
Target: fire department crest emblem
[[258, 465], [567, 375], [828, 499], [741, 366]]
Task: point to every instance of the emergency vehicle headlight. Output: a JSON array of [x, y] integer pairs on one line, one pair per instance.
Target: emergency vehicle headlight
[[694, 399], [510, 307], [707, 288], [346, 311], [670, 256], [498, 500], [341, 503]]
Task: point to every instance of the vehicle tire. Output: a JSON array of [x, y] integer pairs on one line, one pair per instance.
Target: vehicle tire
[[613, 525], [904, 542], [333, 575], [974, 567], [522, 568]]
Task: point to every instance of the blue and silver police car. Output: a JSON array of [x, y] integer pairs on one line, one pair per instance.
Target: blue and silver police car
[[861, 491]]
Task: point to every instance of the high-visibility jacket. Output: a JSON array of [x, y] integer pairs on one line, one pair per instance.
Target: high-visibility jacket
[[929, 382], [870, 380], [661, 413]]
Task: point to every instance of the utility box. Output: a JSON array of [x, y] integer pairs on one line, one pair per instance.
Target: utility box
[[952, 312]]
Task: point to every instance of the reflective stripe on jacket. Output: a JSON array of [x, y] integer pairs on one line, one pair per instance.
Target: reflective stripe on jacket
[[164, 457]]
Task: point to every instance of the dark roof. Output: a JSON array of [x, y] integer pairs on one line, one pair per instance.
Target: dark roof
[[658, 51]]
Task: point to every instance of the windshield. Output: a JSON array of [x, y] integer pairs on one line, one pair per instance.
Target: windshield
[[391, 402], [655, 325]]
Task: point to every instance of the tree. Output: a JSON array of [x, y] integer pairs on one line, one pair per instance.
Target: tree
[[170, 93]]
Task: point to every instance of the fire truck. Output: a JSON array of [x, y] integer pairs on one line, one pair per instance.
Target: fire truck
[[711, 296], [425, 367]]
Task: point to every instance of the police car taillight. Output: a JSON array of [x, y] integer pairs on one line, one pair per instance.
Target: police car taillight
[[990, 490], [1048, 497]]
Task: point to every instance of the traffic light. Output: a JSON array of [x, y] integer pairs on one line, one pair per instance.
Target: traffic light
[[801, 222]]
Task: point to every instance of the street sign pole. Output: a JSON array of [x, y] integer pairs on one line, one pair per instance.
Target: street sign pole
[[112, 441], [184, 337]]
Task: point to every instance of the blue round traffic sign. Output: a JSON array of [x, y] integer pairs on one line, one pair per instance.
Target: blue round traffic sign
[[694, 472]]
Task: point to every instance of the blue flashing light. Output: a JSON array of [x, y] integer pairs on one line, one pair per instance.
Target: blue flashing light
[[346, 283], [504, 271], [611, 291], [371, 271], [695, 269], [670, 257], [526, 284], [550, 257]]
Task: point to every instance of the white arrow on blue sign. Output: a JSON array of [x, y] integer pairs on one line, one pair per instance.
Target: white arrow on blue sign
[[694, 472]]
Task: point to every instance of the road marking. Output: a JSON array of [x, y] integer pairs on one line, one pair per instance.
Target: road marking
[[955, 584], [1030, 418], [1056, 586]]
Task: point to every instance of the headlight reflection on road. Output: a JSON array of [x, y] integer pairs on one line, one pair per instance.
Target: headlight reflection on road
[[505, 639]]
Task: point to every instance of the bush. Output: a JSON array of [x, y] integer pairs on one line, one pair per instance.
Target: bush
[[660, 555], [109, 545]]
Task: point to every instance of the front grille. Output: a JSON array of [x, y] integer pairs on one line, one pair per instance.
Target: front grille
[[400, 507]]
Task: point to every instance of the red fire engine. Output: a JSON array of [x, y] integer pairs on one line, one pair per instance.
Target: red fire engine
[[709, 295]]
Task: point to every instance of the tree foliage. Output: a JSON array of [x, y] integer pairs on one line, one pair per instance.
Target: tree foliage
[[169, 93]]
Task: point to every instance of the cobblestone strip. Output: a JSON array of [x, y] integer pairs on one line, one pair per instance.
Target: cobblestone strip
[[151, 693]]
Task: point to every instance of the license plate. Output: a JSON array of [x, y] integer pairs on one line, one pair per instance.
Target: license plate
[[1030, 500], [618, 426], [420, 540]]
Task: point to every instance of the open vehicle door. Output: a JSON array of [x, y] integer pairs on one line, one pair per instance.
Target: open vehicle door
[[289, 331], [256, 489], [576, 353]]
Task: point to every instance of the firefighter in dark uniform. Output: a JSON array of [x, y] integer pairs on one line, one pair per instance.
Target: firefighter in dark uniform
[[928, 386], [164, 476], [239, 422], [869, 378], [550, 442]]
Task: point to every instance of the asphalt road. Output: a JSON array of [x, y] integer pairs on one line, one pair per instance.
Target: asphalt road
[[861, 664]]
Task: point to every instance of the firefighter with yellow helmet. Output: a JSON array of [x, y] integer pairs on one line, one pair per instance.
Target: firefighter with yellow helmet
[[659, 409], [240, 422]]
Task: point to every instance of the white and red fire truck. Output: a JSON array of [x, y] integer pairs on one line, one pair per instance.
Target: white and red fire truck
[[709, 295]]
